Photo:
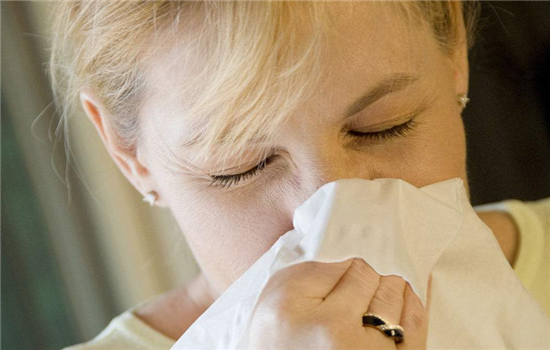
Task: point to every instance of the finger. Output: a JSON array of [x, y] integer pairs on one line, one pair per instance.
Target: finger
[[387, 303], [414, 321], [356, 288], [309, 279], [388, 299]]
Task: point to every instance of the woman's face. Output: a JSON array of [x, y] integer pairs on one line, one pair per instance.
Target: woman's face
[[228, 229]]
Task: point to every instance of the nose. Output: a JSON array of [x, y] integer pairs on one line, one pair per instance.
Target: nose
[[321, 165]]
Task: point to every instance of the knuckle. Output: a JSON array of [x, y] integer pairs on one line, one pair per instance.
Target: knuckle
[[363, 271], [284, 306], [277, 310], [332, 317], [389, 294], [283, 300], [414, 319]]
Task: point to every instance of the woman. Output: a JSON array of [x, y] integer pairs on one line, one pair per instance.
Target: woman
[[231, 114]]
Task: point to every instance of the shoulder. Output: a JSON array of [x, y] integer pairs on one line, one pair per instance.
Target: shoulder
[[127, 332], [170, 313], [175, 311], [541, 209], [532, 219], [155, 323], [533, 215]]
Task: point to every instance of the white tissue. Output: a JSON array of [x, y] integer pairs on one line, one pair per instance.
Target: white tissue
[[477, 300]]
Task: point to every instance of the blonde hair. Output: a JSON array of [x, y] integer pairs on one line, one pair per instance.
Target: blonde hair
[[256, 74]]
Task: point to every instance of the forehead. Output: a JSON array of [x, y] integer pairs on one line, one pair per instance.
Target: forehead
[[367, 41], [373, 40]]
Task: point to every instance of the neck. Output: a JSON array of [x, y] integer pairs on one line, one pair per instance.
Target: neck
[[201, 293], [505, 231]]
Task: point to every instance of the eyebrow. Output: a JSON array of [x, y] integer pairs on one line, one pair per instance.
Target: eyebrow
[[393, 83]]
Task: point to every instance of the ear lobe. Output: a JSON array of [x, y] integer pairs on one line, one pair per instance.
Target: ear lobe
[[126, 160]]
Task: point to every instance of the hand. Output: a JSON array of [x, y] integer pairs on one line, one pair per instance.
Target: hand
[[316, 305]]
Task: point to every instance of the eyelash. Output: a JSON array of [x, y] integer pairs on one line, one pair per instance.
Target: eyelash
[[231, 180]]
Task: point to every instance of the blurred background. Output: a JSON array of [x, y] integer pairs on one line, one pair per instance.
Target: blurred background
[[80, 247]]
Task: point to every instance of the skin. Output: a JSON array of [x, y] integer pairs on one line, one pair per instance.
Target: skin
[[229, 230]]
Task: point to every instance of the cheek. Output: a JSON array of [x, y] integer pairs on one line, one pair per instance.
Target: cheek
[[443, 150], [228, 232], [435, 152], [447, 153]]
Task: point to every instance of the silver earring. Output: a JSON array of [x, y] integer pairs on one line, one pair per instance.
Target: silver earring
[[463, 100], [150, 198]]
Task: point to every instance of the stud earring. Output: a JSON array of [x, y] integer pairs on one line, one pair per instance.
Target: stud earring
[[463, 100], [150, 198]]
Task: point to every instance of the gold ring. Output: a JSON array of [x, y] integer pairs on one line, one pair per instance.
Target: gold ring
[[394, 331]]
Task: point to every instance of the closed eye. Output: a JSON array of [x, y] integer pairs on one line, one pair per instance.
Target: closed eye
[[232, 180], [396, 131]]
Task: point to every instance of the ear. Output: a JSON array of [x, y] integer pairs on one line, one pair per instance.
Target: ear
[[460, 58], [132, 166]]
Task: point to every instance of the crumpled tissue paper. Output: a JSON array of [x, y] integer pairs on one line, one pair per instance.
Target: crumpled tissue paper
[[477, 300]]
